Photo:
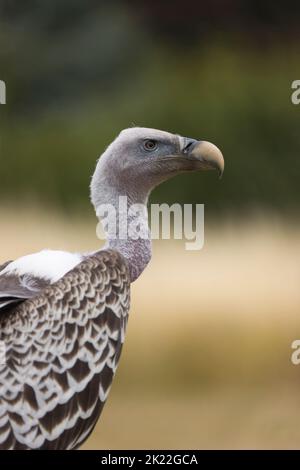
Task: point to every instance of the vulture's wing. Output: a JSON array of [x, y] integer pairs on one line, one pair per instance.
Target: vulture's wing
[[2, 266], [16, 288], [61, 352]]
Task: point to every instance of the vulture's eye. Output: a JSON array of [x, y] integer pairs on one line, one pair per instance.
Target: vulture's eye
[[150, 145]]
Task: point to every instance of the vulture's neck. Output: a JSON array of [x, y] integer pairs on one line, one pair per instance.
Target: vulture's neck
[[125, 222]]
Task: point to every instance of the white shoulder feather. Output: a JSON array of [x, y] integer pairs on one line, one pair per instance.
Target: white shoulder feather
[[46, 264]]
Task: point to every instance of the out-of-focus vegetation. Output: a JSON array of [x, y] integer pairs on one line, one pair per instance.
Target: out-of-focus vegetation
[[78, 73]]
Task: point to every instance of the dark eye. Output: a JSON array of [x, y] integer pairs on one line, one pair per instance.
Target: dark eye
[[150, 145]]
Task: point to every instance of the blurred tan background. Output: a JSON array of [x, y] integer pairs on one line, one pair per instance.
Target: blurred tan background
[[206, 362]]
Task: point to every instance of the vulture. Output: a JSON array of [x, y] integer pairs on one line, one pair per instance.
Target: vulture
[[63, 315]]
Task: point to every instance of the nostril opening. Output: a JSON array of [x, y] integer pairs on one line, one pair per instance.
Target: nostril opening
[[189, 144]]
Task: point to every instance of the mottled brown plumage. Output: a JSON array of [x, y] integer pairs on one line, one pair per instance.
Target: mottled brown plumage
[[62, 350]]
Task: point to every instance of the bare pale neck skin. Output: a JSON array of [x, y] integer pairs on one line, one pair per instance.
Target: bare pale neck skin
[[125, 223]]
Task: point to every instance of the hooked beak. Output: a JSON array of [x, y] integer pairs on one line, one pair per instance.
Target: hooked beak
[[206, 153]]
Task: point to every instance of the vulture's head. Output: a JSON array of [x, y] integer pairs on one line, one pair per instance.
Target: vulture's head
[[139, 159]]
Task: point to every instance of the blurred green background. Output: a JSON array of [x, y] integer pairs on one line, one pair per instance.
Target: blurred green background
[[79, 72], [207, 358]]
